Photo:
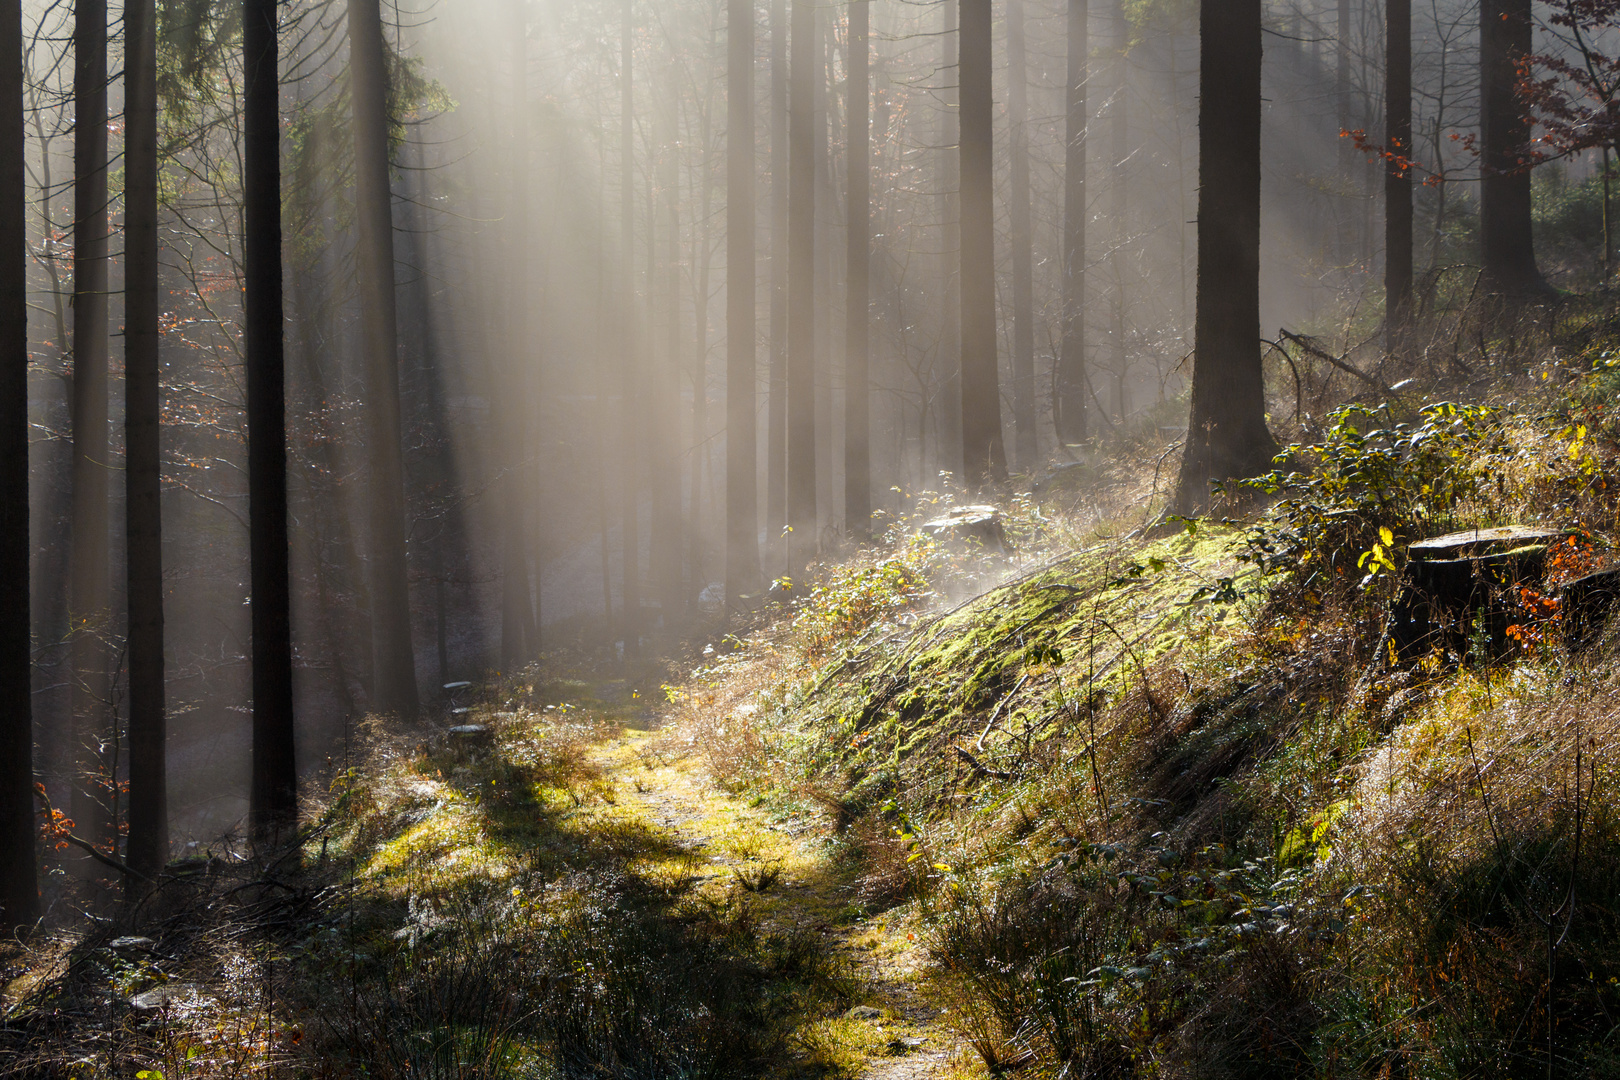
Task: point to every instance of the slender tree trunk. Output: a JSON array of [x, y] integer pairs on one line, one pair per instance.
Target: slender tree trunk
[[857, 395], [825, 202], [519, 640], [1119, 188], [1506, 243], [801, 370], [742, 510], [394, 664], [19, 887], [1350, 244], [664, 537], [776, 413], [90, 588], [148, 845], [984, 460], [1226, 433], [631, 420], [273, 803], [950, 214], [1022, 240], [1070, 398], [1398, 182]]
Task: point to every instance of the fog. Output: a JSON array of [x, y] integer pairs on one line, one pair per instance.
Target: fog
[[562, 310]]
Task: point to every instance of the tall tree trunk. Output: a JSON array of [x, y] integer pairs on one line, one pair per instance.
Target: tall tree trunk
[[857, 395], [273, 801], [801, 370], [394, 664], [1226, 433], [1022, 239], [631, 420], [89, 591], [664, 536], [950, 216], [1070, 397], [19, 887], [1349, 241], [1119, 188], [776, 411], [1398, 182], [519, 640], [984, 460], [742, 482], [148, 844], [826, 201], [1506, 244]]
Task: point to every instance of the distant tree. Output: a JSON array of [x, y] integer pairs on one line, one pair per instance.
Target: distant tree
[[520, 639], [148, 844], [803, 67], [89, 587], [742, 510], [630, 391], [1021, 239], [857, 392], [1507, 245], [1118, 202], [1398, 177], [394, 664], [19, 887], [984, 461], [949, 181], [1226, 432], [776, 408], [273, 801], [1069, 401]]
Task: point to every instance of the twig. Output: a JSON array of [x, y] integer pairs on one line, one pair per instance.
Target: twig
[[996, 715], [980, 767], [90, 849], [1322, 354]]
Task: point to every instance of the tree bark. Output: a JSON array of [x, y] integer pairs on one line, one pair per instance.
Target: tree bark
[[148, 843], [89, 589], [1507, 247], [1398, 182], [273, 801], [19, 887], [1226, 433], [1070, 398], [857, 333], [984, 461], [742, 506], [394, 663], [1022, 240], [776, 417], [801, 371]]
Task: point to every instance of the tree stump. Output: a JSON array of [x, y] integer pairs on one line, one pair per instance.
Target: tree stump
[[977, 527], [1459, 592], [1584, 605]]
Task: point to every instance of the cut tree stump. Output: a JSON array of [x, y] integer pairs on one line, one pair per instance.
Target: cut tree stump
[[1459, 592], [1584, 605], [969, 527]]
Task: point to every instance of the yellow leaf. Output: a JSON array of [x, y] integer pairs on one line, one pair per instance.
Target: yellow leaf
[[1387, 537]]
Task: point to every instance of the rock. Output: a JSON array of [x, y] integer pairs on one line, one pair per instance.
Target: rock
[[470, 734], [128, 945], [864, 1012], [977, 527], [168, 996], [904, 1045]]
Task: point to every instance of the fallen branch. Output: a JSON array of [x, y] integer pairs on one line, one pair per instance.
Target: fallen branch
[[980, 767], [1322, 354]]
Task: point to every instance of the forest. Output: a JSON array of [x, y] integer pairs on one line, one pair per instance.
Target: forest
[[809, 538]]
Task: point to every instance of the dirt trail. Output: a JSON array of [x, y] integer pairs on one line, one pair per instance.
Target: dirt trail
[[735, 847]]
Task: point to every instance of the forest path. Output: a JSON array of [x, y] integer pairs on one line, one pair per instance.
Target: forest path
[[782, 865]]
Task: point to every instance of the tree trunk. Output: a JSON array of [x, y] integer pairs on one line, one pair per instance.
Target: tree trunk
[[1226, 433], [394, 664], [519, 639], [89, 590], [984, 460], [273, 802], [1070, 397], [1119, 187], [857, 395], [1398, 182], [801, 371], [664, 535], [148, 844], [1023, 358], [949, 434], [776, 413], [1506, 245], [742, 507], [19, 888], [631, 420]]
